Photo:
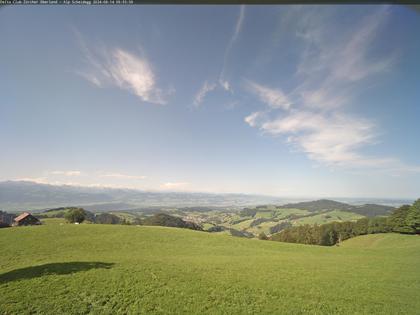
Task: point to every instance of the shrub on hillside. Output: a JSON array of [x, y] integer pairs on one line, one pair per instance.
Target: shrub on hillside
[[406, 219], [279, 227], [248, 212], [162, 219], [77, 215], [237, 233], [413, 217], [262, 236], [107, 218], [137, 221], [216, 228], [259, 221]]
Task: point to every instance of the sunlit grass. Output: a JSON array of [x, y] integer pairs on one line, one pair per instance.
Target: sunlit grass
[[331, 216], [106, 269]]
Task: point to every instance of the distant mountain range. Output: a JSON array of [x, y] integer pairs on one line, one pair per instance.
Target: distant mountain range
[[21, 195], [24, 195]]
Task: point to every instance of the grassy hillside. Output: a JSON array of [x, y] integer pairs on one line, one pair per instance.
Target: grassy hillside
[[369, 210], [319, 205], [271, 219], [331, 216], [264, 218], [387, 241], [108, 269], [247, 222]]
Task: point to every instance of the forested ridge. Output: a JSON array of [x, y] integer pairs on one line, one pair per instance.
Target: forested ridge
[[405, 219], [368, 209]]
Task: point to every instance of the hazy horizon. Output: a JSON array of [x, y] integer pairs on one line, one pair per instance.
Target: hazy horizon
[[284, 197], [287, 101]]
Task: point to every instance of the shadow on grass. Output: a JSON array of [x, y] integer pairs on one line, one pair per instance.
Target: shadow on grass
[[64, 268]]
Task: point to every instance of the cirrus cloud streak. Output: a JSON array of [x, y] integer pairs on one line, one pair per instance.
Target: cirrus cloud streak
[[117, 67], [312, 116]]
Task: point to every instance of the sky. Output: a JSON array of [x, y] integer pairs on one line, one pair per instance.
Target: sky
[[292, 101]]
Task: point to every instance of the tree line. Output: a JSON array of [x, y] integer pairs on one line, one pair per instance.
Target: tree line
[[78, 215], [405, 219]]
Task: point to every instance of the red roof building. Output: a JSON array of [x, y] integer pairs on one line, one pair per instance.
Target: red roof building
[[26, 219]]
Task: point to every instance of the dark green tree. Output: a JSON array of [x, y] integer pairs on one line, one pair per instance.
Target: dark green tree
[[262, 236], [378, 225], [77, 215], [329, 235], [163, 219], [125, 222], [413, 217], [245, 212], [361, 226], [137, 221], [398, 220], [107, 218]]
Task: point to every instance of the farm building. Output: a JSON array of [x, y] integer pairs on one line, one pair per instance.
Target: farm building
[[6, 219], [26, 219], [3, 225]]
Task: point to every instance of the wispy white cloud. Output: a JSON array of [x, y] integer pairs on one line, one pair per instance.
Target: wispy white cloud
[[38, 180], [332, 139], [49, 181], [96, 183], [275, 98], [121, 176], [332, 65], [88, 179], [254, 118], [239, 23], [352, 62], [135, 74], [331, 70], [67, 173], [123, 69], [201, 94], [224, 83], [174, 185]]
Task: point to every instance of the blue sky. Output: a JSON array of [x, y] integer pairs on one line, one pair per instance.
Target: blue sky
[[319, 101]]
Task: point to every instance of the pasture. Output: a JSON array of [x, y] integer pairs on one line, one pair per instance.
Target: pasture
[[112, 269]]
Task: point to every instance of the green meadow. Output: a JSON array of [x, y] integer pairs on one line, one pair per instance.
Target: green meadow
[[112, 269], [331, 216]]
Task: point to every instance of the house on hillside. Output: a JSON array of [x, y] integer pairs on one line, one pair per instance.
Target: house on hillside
[[26, 219]]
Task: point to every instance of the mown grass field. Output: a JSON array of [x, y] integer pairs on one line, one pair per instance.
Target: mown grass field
[[262, 227], [284, 212], [106, 269], [327, 217], [53, 221], [124, 215]]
